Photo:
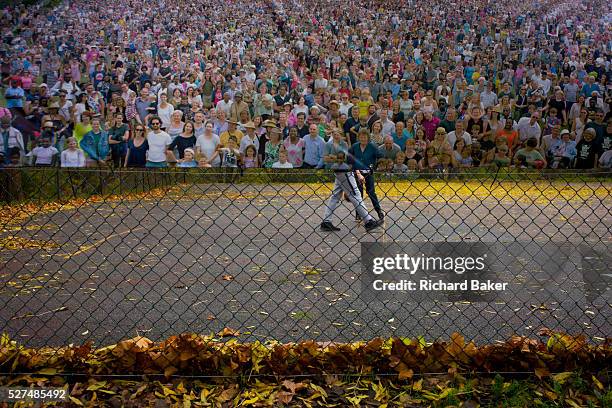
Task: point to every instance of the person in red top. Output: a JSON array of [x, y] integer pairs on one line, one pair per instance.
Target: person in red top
[[430, 124], [509, 134]]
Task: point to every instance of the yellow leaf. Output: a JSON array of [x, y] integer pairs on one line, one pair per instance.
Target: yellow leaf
[[572, 403], [597, 383], [203, 394], [418, 386], [76, 401], [381, 392], [356, 400], [562, 377], [251, 400], [181, 389], [96, 386], [551, 395], [48, 371], [168, 391]]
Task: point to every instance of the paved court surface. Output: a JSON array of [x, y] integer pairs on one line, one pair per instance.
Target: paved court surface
[[253, 259]]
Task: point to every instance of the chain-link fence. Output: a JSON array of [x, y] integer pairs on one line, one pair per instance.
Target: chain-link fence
[[101, 256]]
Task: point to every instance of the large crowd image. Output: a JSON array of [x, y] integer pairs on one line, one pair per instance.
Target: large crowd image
[[393, 86]]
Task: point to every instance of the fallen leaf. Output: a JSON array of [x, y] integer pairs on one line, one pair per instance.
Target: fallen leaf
[[227, 332]]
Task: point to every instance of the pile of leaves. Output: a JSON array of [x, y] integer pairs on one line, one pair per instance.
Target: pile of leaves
[[567, 389], [194, 354], [200, 371]]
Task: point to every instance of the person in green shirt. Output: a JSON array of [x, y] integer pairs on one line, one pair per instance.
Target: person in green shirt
[[81, 128], [529, 156]]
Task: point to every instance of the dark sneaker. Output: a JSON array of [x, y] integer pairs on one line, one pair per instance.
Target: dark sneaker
[[328, 226], [373, 224], [381, 214]]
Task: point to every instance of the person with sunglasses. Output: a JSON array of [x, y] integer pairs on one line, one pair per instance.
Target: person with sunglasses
[[158, 142], [138, 146]]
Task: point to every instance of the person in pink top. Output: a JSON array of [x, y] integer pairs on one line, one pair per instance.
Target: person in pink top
[[295, 148]]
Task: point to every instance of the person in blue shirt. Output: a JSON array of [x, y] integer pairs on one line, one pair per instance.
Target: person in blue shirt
[[314, 147], [95, 144], [14, 97], [401, 135], [365, 154]]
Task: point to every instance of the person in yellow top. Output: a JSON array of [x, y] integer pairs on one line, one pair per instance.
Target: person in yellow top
[[365, 100], [231, 131], [82, 127]]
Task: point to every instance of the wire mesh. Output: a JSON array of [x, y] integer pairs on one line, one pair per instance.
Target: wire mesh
[[101, 256]]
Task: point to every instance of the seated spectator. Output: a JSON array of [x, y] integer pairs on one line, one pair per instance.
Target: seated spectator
[[501, 158], [282, 162], [563, 151], [188, 159], [400, 167], [586, 150], [411, 152], [11, 141], [72, 156], [389, 150], [230, 155], [250, 157], [44, 155], [530, 156], [605, 161]]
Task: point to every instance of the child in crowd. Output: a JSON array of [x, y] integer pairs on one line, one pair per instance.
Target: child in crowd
[[188, 159], [399, 167], [282, 162], [73, 156], [250, 157], [501, 157], [230, 155], [466, 161]]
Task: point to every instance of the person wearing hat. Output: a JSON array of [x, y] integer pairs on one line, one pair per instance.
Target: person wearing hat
[[250, 138], [58, 124], [237, 107], [563, 151], [232, 130], [11, 142]]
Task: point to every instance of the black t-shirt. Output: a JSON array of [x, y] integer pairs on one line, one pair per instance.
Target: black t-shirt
[[559, 106], [585, 157], [181, 143], [303, 131], [600, 130], [606, 143]]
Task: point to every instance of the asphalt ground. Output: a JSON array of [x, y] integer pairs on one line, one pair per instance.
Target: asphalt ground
[[253, 259]]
